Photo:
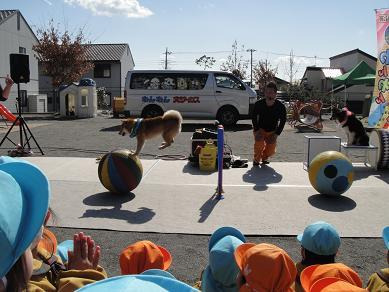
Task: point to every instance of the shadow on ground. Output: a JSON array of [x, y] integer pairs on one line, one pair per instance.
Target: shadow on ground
[[332, 203], [207, 208], [142, 215], [111, 129], [362, 172], [262, 176], [191, 169]]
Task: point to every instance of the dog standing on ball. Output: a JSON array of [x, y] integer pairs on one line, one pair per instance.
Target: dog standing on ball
[[168, 125]]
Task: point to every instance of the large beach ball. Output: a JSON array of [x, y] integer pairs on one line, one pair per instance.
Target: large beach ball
[[120, 171], [331, 173]]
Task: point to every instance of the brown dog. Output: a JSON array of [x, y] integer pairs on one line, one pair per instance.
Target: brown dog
[[168, 125]]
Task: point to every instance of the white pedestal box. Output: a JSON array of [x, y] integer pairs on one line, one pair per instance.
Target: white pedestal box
[[314, 145]]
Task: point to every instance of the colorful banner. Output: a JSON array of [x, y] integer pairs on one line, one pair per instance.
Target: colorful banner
[[379, 110]]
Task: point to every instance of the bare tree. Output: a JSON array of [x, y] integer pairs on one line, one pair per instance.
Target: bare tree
[[291, 67], [235, 62], [63, 57], [263, 73], [205, 61]]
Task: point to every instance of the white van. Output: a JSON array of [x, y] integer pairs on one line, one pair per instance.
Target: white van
[[195, 94]]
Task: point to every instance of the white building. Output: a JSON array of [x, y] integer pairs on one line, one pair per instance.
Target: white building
[[16, 36], [320, 78]]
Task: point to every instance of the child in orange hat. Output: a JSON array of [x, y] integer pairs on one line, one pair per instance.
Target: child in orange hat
[[313, 274], [333, 284], [264, 267], [143, 255]]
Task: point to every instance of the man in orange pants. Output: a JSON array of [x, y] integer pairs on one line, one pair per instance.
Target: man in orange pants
[[268, 117]]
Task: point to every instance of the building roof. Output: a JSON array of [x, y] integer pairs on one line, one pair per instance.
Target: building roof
[[353, 52], [328, 72], [332, 72], [106, 52], [4, 14]]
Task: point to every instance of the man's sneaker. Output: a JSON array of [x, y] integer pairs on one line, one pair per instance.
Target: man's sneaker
[[265, 162], [255, 163]]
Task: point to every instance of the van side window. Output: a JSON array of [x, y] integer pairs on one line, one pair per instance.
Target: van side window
[[168, 81], [227, 81]]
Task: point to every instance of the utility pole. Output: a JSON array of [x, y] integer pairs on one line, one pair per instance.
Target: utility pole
[[251, 65], [166, 53]]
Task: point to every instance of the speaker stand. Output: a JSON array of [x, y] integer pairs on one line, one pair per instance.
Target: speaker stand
[[21, 149]]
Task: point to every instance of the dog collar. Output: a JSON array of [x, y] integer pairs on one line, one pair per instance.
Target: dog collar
[[135, 129]]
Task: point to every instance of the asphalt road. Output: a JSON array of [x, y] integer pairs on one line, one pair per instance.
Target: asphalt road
[[94, 137]]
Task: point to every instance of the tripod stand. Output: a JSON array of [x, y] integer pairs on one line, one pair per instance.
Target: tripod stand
[[21, 149]]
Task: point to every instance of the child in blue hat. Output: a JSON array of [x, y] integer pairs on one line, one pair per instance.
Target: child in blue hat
[[320, 242], [23, 208], [222, 270], [153, 280], [379, 281]]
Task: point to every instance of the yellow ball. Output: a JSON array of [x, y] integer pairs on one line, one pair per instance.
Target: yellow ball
[[331, 173]]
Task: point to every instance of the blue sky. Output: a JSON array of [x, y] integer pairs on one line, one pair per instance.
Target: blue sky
[[273, 28]]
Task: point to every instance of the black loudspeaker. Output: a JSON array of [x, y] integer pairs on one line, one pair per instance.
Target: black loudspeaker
[[20, 68]]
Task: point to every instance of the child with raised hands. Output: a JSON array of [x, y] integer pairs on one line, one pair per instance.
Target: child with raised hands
[[50, 274]]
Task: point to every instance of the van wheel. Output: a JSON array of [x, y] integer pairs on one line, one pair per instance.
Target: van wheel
[[152, 111], [227, 116]]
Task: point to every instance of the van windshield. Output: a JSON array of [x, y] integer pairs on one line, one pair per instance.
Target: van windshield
[[168, 81]]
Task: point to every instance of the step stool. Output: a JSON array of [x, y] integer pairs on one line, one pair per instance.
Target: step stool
[[371, 153]]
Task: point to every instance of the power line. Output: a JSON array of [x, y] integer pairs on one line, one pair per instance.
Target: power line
[[241, 51]]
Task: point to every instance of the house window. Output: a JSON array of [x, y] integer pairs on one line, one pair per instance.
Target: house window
[[84, 97], [102, 71], [22, 50]]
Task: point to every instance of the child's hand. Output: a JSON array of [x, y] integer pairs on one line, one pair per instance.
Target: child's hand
[[84, 255], [8, 81]]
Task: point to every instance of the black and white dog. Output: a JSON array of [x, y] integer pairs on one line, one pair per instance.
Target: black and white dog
[[356, 134]]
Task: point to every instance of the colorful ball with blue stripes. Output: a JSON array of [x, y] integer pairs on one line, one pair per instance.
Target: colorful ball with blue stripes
[[120, 172], [331, 173]]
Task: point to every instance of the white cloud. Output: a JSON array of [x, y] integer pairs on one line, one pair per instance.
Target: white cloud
[[128, 8], [48, 2]]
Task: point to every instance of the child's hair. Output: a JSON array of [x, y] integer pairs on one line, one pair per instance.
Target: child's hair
[[316, 259], [16, 277], [272, 84]]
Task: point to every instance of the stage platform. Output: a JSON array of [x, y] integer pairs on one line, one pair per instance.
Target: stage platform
[[175, 197]]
